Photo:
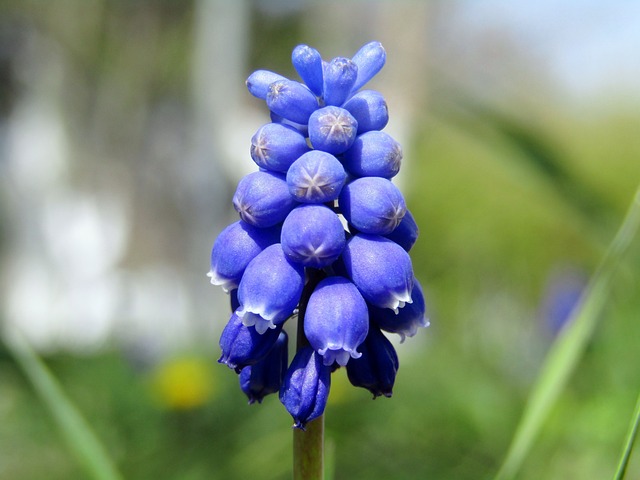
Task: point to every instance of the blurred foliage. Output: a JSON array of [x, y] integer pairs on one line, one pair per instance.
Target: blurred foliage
[[503, 202]]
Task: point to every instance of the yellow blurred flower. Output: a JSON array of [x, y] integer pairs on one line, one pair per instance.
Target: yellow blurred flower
[[183, 383]]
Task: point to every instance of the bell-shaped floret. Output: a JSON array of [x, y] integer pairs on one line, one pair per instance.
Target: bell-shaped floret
[[308, 63], [339, 78], [291, 100], [242, 346], [259, 81], [276, 146], [265, 377], [406, 233], [369, 108], [370, 59], [336, 320], [262, 199], [305, 388], [332, 129], [381, 269], [316, 177], [270, 289], [313, 236], [234, 248], [409, 318], [373, 154], [376, 369], [372, 205]]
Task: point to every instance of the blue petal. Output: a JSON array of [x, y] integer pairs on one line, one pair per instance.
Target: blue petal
[[380, 268], [336, 320], [408, 319], [270, 289]]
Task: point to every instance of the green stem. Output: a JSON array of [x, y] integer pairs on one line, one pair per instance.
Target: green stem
[[308, 444], [631, 436], [308, 451]]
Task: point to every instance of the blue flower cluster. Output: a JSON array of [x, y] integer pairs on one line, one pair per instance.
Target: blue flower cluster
[[323, 234]]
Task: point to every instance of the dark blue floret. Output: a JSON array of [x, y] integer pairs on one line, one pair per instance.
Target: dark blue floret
[[242, 346], [306, 385], [265, 377], [376, 369]]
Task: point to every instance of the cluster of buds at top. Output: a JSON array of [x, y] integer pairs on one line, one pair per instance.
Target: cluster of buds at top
[[323, 234]]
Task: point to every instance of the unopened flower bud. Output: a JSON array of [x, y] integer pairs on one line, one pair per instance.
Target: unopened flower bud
[[370, 59], [262, 199], [305, 388], [316, 177], [234, 248], [369, 108], [339, 78], [313, 236], [332, 129], [373, 154], [276, 146], [308, 63], [291, 100], [372, 205], [259, 81]]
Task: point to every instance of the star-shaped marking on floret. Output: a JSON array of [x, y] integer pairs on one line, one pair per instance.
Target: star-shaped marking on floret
[[337, 127], [313, 185]]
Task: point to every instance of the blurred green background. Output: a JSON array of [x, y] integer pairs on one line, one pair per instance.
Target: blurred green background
[[124, 127]]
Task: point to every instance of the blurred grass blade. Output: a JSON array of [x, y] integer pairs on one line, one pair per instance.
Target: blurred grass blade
[[569, 345], [631, 437], [80, 438]]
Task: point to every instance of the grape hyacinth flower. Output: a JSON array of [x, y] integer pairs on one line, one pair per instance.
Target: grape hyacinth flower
[[323, 236]]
